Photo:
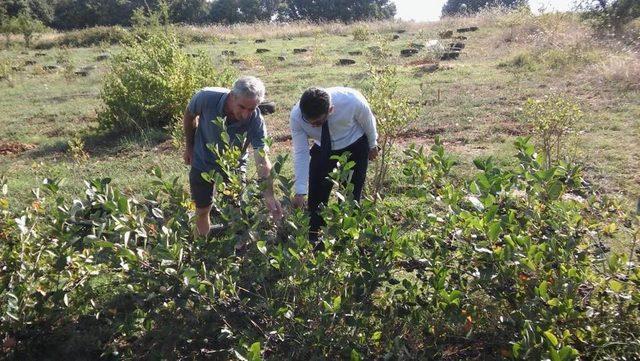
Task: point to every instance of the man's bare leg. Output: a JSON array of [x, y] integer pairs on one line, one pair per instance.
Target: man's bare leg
[[203, 224]]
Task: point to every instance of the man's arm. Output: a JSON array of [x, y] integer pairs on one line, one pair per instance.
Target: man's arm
[[188, 125], [263, 166], [364, 116], [300, 142]]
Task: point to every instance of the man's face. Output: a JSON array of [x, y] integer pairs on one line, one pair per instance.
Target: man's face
[[242, 108], [318, 121]]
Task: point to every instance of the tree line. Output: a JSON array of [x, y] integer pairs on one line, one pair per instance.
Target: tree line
[[15, 15], [73, 14]]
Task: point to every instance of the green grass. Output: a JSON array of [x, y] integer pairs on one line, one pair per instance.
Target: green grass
[[477, 113]]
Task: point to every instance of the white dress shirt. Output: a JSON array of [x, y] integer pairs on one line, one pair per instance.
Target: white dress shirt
[[351, 119]]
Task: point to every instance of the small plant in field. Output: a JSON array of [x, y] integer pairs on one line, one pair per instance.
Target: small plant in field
[[523, 61], [393, 114], [176, 132], [5, 69], [63, 58], [553, 120], [361, 33], [76, 149]]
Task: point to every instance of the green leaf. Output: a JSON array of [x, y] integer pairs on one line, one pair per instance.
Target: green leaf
[[483, 183], [337, 301], [494, 231], [254, 352], [555, 190], [615, 286], [355, 355], [103, 244], [262, 247], [376, 336], [515, 349], [551, 337], [542, 290], [614, 262], [568, 353]]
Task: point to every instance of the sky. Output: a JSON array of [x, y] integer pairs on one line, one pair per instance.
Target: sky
[[429, 10]]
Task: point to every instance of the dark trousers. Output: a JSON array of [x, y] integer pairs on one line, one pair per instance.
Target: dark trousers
[[320, 186]]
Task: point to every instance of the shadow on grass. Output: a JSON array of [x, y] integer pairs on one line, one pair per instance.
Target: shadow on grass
[[99, 144]]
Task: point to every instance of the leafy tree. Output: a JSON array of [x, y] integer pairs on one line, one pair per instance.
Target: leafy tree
[[461, 7], [27, 26], [71, 14], [6, 26], [339, 10], [189, 11], [612, 13], [245, 11], [40, 9], [226, 11]]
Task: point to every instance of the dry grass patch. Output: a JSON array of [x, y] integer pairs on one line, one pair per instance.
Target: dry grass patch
[[620, 71]]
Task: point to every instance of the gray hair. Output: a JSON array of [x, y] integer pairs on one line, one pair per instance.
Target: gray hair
[[249, 87]]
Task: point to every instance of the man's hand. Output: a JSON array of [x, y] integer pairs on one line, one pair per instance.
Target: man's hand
[[299, 201], [373, 153], [275, 209], [188, 156]]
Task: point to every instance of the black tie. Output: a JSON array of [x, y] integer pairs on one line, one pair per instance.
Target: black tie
[[325, 147]]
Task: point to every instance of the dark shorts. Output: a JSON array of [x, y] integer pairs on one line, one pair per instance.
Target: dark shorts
[[201, 190]]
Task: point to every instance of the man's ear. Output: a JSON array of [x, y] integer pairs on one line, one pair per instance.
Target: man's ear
[[330, 109]]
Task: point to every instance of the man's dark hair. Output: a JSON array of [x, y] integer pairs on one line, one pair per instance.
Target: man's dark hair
[[314, 102]]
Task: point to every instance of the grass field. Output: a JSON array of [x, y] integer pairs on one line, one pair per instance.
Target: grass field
[[473, 103]]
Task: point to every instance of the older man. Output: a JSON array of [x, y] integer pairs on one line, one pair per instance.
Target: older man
[[239, 108], [338, 120]]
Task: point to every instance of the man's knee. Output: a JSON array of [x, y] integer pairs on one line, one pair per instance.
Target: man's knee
[[204, 211]]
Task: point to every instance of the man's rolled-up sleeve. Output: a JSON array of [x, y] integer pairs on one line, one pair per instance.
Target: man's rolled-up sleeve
[[364, 116], [301, 156]]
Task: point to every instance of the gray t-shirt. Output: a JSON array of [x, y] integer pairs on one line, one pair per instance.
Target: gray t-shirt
[[208, 103]]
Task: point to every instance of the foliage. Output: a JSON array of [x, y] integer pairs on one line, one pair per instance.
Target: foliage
[[74, 14], [151, 80], [465, 7], [393, 114], [334, 10], [361, 33], [5, 69], [612, 14], [507, 264], [553, 120], [42, 10], [76, 148], [189, 11], [25, 25]]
